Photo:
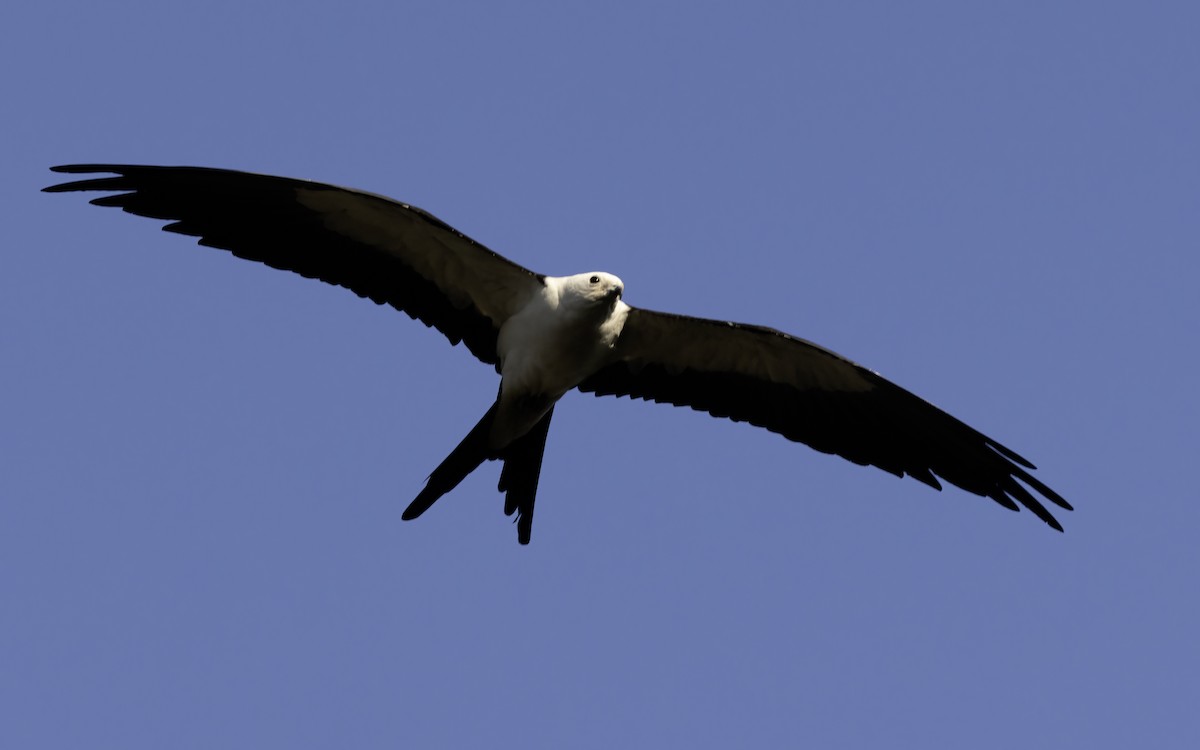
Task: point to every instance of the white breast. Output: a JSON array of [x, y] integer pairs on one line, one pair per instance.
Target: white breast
[[553, 343]]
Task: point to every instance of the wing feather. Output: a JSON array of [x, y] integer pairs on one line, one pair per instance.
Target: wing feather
[[813, 396], [386, 251]]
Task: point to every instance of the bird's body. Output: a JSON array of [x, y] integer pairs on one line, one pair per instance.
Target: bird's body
[[548, 335], [560, 336]]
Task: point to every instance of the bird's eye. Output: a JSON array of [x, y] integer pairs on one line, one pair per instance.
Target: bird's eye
[[594, 280]]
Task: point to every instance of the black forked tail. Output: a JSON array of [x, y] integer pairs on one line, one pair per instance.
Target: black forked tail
[[519, 477], [466, 458]]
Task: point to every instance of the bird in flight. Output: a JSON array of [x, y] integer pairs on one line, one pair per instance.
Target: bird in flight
[[546, 335]]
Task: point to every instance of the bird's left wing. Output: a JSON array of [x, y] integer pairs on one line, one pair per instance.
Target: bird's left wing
[[811, 395], [381, 249]]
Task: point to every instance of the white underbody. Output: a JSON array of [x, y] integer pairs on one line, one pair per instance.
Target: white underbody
[[563, 334]]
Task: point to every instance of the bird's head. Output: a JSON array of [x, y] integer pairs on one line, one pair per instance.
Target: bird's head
[[594, 288]]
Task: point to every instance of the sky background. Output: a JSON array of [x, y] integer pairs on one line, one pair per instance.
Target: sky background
[[205, 461]]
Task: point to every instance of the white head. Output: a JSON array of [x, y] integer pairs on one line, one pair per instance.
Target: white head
[[594, 288]]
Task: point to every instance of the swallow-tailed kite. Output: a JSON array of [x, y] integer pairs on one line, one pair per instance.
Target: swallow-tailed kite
[[546, 335]]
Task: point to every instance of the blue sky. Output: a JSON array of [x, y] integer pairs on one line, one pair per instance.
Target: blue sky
[[205, 461]]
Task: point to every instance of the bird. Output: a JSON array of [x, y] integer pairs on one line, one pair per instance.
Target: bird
[[548, 335]]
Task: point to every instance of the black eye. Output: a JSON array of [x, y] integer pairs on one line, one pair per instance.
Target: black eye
[[594, 280]]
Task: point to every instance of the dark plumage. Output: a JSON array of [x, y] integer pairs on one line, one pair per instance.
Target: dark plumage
[[546, 335]]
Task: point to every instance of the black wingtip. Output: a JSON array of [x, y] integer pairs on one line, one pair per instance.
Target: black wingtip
[[72, 168], [1014, 490], [1052, 522], [88, 168], [99, 183], [91, 168], [1011, 454]]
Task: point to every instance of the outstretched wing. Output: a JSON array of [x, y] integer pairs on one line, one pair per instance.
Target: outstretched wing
[[813, 396], [389, 252]]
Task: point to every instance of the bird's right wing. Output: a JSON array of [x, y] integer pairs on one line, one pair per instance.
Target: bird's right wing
[[381, 249]]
